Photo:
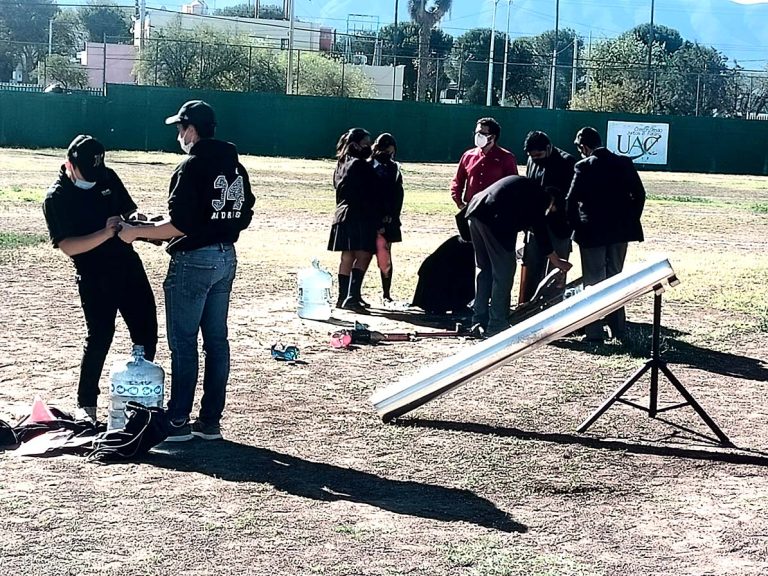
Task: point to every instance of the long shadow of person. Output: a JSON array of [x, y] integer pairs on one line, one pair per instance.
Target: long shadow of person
[[236, 462], [676, 351]]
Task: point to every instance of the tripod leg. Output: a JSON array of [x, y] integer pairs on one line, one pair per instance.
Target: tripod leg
[[615, 396], [724, 440]]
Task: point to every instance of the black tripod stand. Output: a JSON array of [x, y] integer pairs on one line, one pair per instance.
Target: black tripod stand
[[656, 364]]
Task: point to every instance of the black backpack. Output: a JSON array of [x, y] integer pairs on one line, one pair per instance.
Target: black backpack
[[145, 427]]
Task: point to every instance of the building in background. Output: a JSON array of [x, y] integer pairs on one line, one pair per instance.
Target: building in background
[[114, 67]]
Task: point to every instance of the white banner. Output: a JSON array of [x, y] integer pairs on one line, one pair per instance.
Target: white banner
[[644, 142]]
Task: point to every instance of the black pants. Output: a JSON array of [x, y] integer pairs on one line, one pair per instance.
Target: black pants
[[103, 293], [597, 264]]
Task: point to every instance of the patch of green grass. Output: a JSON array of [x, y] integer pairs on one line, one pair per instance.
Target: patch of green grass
[[18, 194], [490, 558], [681, 198], [14, 240], [759, 208], [762, 320], [349, 530]]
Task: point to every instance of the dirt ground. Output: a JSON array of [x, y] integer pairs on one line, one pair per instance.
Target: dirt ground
[[490, 480]]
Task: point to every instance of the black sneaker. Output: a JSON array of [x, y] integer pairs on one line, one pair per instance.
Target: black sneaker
[[206, 431], [179, 431]]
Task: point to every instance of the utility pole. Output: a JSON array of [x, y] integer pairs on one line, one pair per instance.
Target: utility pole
[[589, 61], [506, 57], [489, 91], [574, 66], [394, 56], [142, 18], [50, 36], [553, 73], [289, 79], [256, 9], [650, 80]]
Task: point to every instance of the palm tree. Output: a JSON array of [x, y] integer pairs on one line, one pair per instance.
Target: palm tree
[[426, 14]]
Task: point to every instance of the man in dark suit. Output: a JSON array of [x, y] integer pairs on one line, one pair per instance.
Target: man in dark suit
[[495, 217], [604, 206], [552, 168]]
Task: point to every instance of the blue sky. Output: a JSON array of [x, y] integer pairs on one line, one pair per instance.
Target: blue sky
[[738, 28]]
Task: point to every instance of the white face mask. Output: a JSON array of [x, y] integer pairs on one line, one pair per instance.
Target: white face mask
[[481, 140], [84, 184], [186, 147]]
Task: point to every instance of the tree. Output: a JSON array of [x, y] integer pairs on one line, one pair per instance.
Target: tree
[[401, 45], [209, 59], [7, 56], [319, 75], [669, 38], [26, 22], [69, 34], [426, 14], [617, 79], [61, 69], [696, 81], [247, 10], [751, 93], [102, 19], [468, 67], [544, 45]]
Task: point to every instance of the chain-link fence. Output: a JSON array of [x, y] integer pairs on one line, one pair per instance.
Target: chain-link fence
[[454, 77]]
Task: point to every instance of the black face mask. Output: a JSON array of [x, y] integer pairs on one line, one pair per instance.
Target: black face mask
[[357, 151], [383, 157]]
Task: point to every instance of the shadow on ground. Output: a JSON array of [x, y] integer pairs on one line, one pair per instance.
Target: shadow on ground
[[752, 457], [676, 351], [236, 462]]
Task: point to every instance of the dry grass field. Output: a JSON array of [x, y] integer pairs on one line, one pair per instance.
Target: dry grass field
[[491, 480]]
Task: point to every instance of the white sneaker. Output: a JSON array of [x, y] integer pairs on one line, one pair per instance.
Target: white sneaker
[[86, 413]]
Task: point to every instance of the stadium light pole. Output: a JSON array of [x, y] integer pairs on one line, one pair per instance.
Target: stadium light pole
[[289, 79], [650, 60], [506, 57], [553, 73], [489, 91]]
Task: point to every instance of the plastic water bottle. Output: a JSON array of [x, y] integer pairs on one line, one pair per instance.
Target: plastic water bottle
[[133, 379], [314, 293]]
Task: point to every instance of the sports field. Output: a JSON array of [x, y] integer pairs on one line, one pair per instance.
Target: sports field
[[491, 480]]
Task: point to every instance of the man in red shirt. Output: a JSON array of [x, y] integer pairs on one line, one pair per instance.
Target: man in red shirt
[[483, 165]]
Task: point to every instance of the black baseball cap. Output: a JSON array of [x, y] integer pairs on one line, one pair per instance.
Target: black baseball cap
[[87, 154], [195, 112]]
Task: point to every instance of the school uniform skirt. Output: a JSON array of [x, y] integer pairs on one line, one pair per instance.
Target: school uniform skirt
[[357, 235]]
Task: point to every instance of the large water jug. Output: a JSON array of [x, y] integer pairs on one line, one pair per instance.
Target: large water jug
[[136, 379], [314, 293]]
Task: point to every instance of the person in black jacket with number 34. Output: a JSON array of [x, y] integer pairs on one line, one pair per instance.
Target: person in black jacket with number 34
[[210, 203]]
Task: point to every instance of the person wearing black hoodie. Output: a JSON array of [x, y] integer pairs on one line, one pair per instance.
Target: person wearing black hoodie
[[210, 202]]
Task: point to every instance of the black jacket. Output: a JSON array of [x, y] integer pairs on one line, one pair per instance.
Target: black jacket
[[555, 173], [512, 204], [605, 201], [210, 198], [356, 192], [391, 195], [70, 212]]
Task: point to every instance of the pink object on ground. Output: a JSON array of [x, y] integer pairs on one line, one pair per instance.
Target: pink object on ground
[[40, 412]]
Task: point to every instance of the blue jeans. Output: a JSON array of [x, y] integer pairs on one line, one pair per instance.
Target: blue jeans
[[197, 290]]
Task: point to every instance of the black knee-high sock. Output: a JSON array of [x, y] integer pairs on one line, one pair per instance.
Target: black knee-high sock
[[386, 284], [355, 284], [343, 289]]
